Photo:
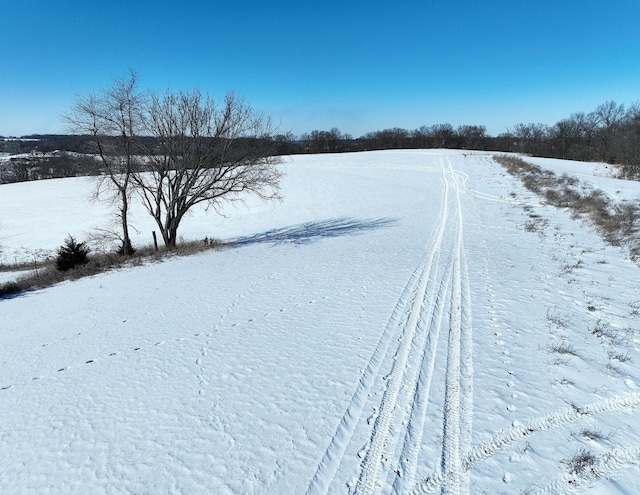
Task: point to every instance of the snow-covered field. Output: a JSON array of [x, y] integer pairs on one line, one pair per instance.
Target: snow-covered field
[[396, 325]]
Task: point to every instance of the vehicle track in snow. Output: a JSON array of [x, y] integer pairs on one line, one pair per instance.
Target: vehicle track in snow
[[458, 402], [382, 444], [554, 419], [431, 314], [402, 325], [440, 303]]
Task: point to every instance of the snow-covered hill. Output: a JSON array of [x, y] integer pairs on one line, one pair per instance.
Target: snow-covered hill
[[397, 325]]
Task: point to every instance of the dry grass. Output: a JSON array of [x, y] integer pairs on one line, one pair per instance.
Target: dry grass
[[45, 274], [618, 224], [583, 463]]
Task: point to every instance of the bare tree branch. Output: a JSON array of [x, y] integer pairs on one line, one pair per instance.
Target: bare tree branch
[[209, 152], [115, 118]]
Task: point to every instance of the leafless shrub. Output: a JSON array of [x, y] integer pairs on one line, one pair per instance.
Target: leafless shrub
[[10, 288], [564, 348], [619, 357], [613, 370], [605, 332], [530, 226], [569, 268], [583, 463], [552, 196], [535, 225], [569, 180], [555, 318], [628, 217]]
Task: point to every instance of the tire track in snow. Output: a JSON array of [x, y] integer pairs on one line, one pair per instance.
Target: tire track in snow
[[380, 445], [334, 454], [436, 295], [603, 466], [458, 392], [370, 479], [415, 430], [554, 419], [434, 311], [441, 305], [442, 292]]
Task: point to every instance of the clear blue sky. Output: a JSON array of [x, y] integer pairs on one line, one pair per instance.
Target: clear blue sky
[[359, 65]]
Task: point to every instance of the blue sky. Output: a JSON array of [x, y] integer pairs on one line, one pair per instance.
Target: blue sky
[[358, 66]]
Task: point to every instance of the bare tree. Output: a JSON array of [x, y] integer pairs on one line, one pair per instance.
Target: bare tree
[[20, 170], [207, 152], [115, 118], [610, 115], [530, 138], [323, 141], [472, 137], [443, 135]]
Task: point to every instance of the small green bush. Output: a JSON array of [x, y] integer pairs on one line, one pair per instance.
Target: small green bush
[[71, 254]]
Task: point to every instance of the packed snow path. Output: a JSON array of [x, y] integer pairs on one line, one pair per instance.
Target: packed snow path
[[333, 349]]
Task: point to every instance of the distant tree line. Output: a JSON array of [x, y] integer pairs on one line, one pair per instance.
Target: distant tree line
[[610, 133], [52, 165]]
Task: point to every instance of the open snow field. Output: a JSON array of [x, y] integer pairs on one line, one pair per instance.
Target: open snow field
[[395, 326]]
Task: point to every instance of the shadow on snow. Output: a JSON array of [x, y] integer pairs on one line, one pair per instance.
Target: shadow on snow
[[313, 231]]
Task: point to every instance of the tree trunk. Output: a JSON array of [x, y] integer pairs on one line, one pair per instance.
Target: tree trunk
[[126, 240]]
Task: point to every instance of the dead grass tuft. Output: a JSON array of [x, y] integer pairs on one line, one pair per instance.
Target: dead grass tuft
[[618, 224], [45, 274]]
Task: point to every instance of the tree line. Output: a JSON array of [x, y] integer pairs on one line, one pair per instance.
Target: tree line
[[610, 133]]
